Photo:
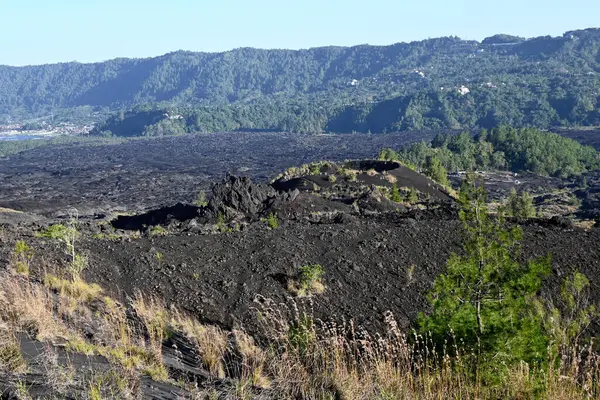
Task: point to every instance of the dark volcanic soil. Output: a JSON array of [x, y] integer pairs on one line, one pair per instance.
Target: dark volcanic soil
[[150, 172], [378, 255], [368, 262]]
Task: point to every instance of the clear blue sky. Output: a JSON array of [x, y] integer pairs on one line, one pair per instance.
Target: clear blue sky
[[45, 31]]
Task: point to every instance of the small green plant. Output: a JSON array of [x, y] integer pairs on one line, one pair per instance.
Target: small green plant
[[332, 178], [94, 392], [410, 273], [566, 322], [309, 280], [302, 333], [314, 169], [201, 200], [21, 391], [272, 221], [68, 235], [103, 236], [22, 256], [413, 197], [158, 230], [395, 195], [159, 256], [221, 225]]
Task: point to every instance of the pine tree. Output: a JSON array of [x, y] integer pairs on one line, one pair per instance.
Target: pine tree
[[396, 197], [436, 171], [412, 196], [520, 206], [483, 300]]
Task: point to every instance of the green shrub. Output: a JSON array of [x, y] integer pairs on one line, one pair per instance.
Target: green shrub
[[221, 225], [413, 197], [22, 256], [302, 334], [272, 221], [395, 195], [68, 235], [158, 230], [201, 200], [314, 169], [436, 171], [309, 280], [520, 206], [575, 312]]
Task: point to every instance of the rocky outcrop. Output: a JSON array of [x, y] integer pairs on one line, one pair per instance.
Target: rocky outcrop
[[236, 197]]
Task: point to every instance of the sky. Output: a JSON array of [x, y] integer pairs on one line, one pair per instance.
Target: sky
[[49, 31]]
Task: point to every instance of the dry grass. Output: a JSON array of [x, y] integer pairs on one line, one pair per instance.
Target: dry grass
[[254, 360], [11, 358], [329, 361], [57, 310], [211, 341], [391, 178], [28, 307], [10, 210], [75, 289], [152, 312], [298, 356], [586, 224]]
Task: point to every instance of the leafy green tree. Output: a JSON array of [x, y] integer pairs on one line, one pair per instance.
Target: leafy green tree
[[483, 300], [520, 205], [436, 171]]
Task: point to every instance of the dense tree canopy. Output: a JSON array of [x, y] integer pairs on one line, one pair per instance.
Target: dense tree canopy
[[526, 149], [431, 84]]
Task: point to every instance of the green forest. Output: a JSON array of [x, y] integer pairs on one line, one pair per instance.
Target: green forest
[[431, 84], [504, 148]]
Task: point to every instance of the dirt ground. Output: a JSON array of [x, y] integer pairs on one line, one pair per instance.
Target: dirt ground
[[222, 263], [148, 173]]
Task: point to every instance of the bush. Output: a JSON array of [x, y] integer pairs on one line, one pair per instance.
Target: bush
[[395, 196], [413, 197], [68, 235], [158, 230], [272, 221], [22, 256], [520, 206], [201, 200], [309, 280]]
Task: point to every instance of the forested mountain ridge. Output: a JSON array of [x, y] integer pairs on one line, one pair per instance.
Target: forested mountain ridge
[[445, 82]]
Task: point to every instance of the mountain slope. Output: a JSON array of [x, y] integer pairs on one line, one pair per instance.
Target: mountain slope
[[569, 63]]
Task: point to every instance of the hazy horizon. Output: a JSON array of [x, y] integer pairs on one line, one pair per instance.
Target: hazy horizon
[[273, 48], [36, 32]]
